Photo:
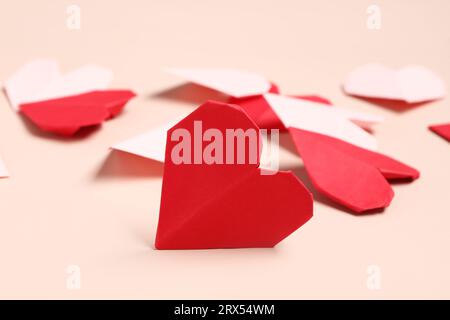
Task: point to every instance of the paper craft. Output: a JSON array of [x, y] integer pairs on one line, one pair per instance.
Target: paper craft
[[152, 143], [42, 80], [412, 84], [226, 205], [337, 155], [351, 176], [3, 171], [331, 147], [65, 116], [63, 104], [246, 90], [313, 121], [442, 130], [261, 112]]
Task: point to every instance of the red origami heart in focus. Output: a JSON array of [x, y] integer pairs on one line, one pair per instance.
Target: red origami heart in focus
[[226, 205], [65, 116]]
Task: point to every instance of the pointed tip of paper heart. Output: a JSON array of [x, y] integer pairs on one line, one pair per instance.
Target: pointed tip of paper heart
[[344, 173], [284, 221], [288, 220], [442, 130], [406, 174], [375, 206], [360, 204]]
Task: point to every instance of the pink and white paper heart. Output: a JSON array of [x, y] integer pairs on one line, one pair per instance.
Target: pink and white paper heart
[[42, 80], [412, 84]]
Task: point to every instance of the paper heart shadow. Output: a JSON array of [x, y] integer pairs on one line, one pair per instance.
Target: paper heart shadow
[[397, 106]]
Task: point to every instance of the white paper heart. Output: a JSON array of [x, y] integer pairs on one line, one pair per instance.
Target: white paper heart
[[412, 84]]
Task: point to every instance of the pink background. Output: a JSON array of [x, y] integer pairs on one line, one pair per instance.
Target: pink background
[[74, 202]]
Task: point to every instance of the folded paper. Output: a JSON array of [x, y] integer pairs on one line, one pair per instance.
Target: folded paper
[[442, 130], [65, 116], [206, 206], [349, 175], [42, 80], [412, 84], [330, 146], [63, 104], [338, 155], [319, 118], [330, 139]]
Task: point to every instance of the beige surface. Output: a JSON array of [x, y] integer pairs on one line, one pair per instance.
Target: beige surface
[[70, 202]]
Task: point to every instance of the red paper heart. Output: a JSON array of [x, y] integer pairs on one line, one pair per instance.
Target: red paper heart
[[65, 116], [226, 205], [349, 175]]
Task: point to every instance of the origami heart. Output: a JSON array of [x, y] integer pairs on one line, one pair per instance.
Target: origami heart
[[337, 154], [41, 80], [226, 205], [65, 116], [412, 84], [442, 130], [62, 104], [349, 175]]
